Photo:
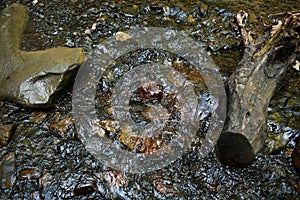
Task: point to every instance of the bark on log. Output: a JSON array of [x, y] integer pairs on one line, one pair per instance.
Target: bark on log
[[251, 87]]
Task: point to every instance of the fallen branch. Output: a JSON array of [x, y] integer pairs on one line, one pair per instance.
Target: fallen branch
[[251, 87]]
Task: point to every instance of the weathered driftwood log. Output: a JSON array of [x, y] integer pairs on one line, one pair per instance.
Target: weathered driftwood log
[[252, 85]]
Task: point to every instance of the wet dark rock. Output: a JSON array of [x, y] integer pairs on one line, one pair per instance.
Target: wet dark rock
[[6, 132], [32, 78], [7, 170], [296, 155], [85, 189]]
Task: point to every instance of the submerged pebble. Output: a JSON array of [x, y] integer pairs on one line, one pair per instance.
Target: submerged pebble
[[6, 133], [30, 174], [84, 189], [7, 170]]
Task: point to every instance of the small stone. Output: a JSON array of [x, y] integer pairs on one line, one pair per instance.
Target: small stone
[[128, 138], [37, 117], [35, 2], [288, 152], [296, 155], [7, 170], [56, 117], [110, 125], [297, 65], [151, 91], [94, 26], [96, 129], [110, 111], [45, 180], [36, 195], [6, 132], [30, 174], [85, 189], [136, 7], [102, 18], [121, 36], [166, 10], [101, 132], [63, 125], [88, 41], [115, 178], [88, 31], [164, 186], [191, 19], [69, 43]]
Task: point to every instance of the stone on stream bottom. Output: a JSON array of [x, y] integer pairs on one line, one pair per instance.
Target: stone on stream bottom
[[6, 132], [32, 78], [296, 155], [7, 170]]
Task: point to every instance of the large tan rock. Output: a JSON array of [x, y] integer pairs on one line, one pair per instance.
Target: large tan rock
[[32, 78]]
